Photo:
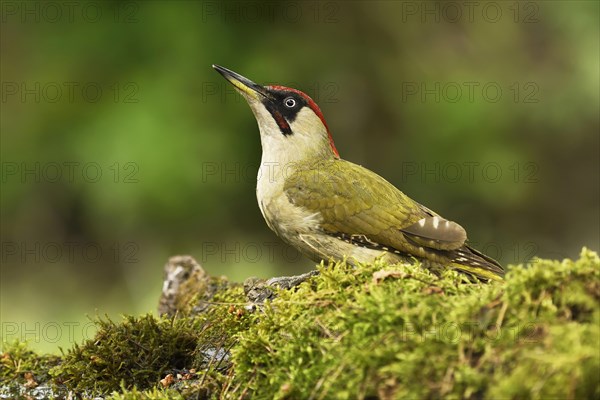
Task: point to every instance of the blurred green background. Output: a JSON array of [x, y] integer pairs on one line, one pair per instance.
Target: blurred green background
[[121, 146]]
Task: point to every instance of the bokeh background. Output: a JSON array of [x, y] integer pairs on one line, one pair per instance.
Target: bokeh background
[[121, 146]]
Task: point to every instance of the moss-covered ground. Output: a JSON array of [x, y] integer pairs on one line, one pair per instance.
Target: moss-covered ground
[[380, 331]]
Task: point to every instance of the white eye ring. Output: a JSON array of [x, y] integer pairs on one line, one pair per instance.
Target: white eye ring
[[289, 102]]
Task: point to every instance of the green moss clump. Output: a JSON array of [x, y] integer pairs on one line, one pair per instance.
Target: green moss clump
[[134, 353], [151, 394], [19, 364], [18, 359], [353, 333]]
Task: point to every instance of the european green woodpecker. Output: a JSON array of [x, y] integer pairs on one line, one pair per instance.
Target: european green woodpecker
[[332, 209]]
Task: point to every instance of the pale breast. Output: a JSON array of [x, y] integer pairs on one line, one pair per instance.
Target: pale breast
[[283, 217]]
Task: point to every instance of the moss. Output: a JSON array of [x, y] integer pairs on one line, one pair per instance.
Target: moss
[[17, 359], [228, 315], [378, 331], [151, 394], [220, 324], [22, 371], [135, 352], [355, 333]]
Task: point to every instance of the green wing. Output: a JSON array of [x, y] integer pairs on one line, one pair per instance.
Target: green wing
[[354, 201]]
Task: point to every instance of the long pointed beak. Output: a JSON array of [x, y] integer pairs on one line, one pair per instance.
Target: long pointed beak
[[244, 85]]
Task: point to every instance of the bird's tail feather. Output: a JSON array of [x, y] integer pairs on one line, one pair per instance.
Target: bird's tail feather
[[471, 261]]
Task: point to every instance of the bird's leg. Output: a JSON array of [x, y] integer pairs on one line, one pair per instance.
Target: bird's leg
[[258, 290]]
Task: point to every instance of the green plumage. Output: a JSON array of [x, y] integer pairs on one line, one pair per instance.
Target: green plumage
[[358, 205]]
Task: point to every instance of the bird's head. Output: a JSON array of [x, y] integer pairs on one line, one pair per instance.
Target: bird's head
[[292, 127]]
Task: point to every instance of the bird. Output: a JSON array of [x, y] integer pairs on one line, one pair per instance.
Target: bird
[[331, 209]]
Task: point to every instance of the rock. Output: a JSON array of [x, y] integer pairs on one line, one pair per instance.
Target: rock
[[183, 280]]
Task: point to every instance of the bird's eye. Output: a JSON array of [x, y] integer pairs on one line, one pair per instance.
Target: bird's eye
[[289, 102]]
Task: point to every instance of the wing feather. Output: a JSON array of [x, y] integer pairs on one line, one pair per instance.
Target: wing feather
[[363, 203], [358, 205]]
